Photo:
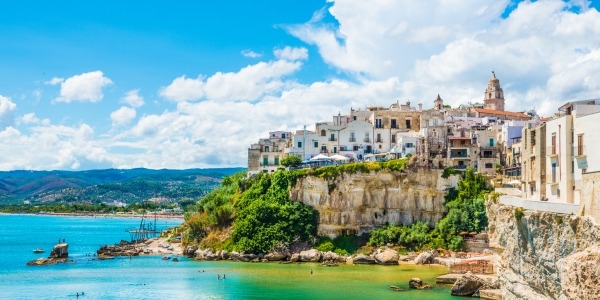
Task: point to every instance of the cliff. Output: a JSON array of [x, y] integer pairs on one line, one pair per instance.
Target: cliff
[[356, 203], [545, 255]]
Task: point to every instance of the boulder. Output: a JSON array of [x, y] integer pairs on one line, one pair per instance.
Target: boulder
[[190, 251], [235, 256], [60, 251], [424, 258], [224, 255], [417, 283], [295, 257], [275, 256], [330, 256], [363, 259], [467, 285], [312, 255], [386, 257]]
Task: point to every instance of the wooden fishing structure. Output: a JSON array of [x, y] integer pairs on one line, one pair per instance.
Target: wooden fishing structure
[[145, 231]]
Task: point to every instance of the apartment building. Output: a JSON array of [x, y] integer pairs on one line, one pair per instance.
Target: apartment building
[[266, 155]]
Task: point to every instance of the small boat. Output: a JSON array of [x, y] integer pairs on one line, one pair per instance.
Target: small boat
[[166, 257], [38, 250]]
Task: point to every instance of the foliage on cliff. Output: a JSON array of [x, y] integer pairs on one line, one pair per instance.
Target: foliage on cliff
[[329, 172], [259, 211], [466, 212]]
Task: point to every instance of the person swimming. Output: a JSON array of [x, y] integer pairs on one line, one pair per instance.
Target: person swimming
[[218, 276], [223, 276]]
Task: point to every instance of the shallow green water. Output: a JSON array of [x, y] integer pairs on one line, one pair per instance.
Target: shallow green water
[[153, 278]]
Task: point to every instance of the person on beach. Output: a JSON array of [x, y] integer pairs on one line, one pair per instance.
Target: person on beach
[[311, 272]]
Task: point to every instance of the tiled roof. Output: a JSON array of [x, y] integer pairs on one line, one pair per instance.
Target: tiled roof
[[501, 113]]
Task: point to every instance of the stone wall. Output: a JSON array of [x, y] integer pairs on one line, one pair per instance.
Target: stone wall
[[356, 203], [545, 255], [590, 195]]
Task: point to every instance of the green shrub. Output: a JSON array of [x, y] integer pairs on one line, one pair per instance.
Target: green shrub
[[519, 213]]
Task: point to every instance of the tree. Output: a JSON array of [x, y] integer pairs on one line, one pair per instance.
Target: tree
[[291, 161]]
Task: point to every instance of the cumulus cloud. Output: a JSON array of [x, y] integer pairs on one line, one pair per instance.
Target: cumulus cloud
[[251, 54], [133, 98], [122, 115], [85, 87], [184, 89], [290, 53], [31, 118], [7, 110]]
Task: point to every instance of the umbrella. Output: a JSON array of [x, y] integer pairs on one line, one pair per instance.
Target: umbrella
[[320, 157], [339, 157]]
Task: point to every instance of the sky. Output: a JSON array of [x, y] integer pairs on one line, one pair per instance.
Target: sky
[[191, 84]]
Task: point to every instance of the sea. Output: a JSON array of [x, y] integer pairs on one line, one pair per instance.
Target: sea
[[150, 277]]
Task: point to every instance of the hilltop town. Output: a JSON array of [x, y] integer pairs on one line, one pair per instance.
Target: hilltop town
[[546, 158]]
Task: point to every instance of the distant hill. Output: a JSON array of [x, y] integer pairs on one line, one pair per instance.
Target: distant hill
[[97, 186]]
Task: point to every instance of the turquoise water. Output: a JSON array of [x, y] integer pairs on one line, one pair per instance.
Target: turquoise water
[[150, 277]]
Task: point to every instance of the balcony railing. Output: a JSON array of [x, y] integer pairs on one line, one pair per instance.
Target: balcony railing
[[333, 139], [379, 141], [367, 140], [460, 167], [552, 150], [578, 150], [352, 140], [452, 155]]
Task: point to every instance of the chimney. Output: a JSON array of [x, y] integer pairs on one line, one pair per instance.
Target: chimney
[[420, 106]]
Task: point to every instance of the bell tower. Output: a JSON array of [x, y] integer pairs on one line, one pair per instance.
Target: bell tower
[[438, 103], [493, 98]]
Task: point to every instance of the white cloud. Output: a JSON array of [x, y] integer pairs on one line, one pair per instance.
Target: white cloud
[[55, 81], [7, 110], [184, 89], [133, 98], [290, 53], [122, 115], [31, 118], [85, 87], [251, 54]]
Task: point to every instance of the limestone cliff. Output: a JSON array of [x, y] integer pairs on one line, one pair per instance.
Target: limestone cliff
[[356, 203], [545, 255]]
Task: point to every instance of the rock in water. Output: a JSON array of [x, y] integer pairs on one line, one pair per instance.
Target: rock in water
[[417, 283], [467, 285], [363, 259]]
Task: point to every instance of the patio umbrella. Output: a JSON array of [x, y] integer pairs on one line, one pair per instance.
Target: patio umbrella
[[339, 157], [320, 157]]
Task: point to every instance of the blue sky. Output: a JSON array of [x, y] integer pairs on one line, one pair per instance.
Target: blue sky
[[161, 85]]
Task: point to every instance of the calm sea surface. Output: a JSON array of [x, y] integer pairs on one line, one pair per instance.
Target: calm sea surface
[[150, 277]]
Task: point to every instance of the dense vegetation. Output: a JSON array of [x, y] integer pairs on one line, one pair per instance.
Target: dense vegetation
[[265, 217], [466, 212], [145, 207]]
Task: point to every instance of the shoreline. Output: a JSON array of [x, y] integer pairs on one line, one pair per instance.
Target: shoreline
[[94, 215]]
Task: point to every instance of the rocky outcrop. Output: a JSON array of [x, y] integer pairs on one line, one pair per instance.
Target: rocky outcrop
[[417, 283], [123, 248], [545, 255], [356, 203], [59, 254]]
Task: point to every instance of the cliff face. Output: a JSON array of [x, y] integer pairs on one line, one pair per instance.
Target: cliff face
[[356, 203], [545, 255]]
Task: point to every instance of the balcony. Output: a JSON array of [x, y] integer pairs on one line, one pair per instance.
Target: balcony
[[379, 141], [332, 139], [460, 167], [367, 140], [458, 155], [352, 140]]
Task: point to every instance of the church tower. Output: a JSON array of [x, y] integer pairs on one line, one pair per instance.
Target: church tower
[[438, 104], [494, 96]]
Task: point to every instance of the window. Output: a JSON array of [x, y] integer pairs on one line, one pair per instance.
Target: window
[[379, 138], [276, 161], [489, 165], [491, 142], [334, 149], [316, 144], [355, 148], [283, 135], [393, 138], [553, 149], [323, 149], [354, 117], [352, 137], [299, 144], [394, 125], [332, 137], [378, 123], [407, 121], [580, 144], [323, 132], [367, 138], [265, 160]]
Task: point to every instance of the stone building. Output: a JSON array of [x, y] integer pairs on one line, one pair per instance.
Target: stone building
[[266, 155], [493, 98], [533, 161]]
